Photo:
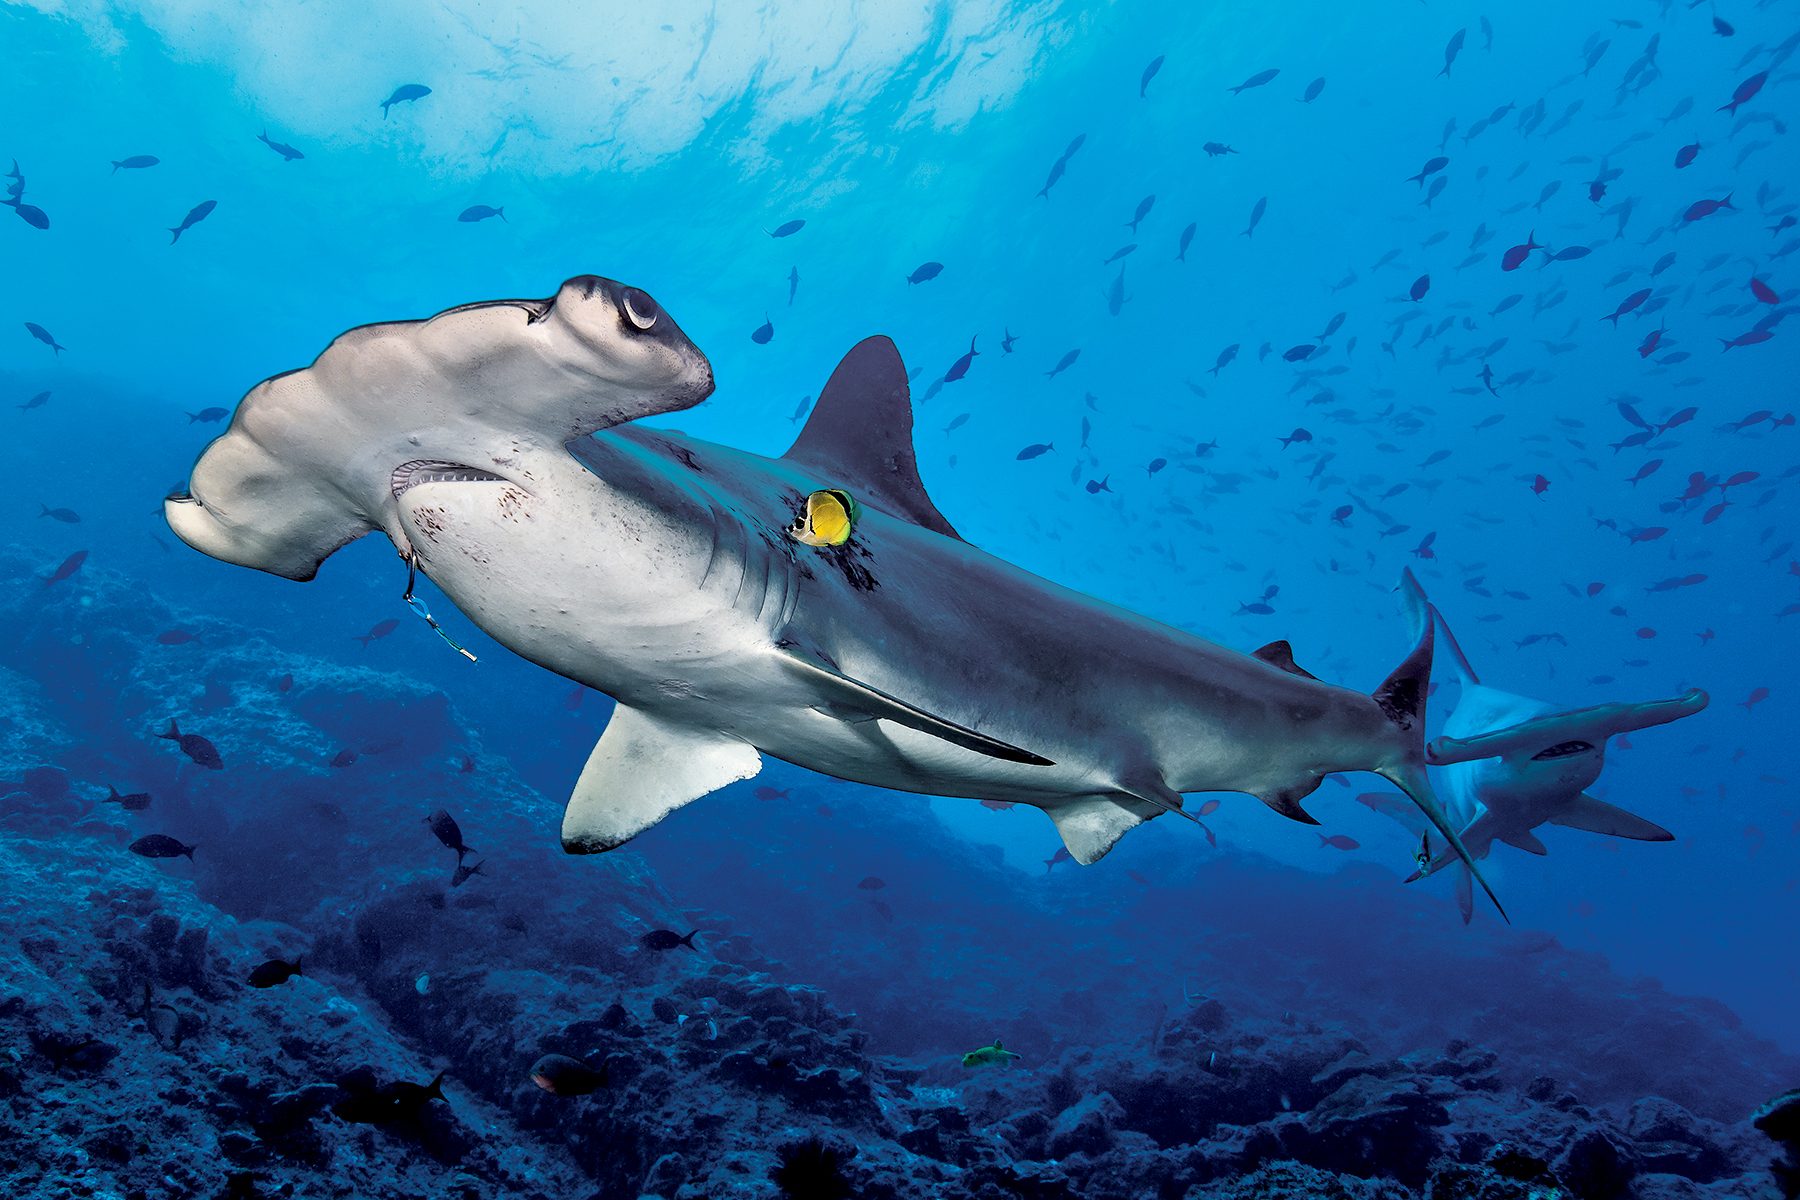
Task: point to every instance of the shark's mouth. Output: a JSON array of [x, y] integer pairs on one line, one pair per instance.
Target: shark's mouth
[[1563, 750], [410, 475]]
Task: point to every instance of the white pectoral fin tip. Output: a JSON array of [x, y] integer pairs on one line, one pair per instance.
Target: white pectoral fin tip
[[642, 769], [859, 696]]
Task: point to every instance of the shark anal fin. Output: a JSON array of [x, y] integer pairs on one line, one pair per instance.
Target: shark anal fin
[[1281, 654], [860, 436], [1597, 816], [642, 769], [859, 697], [1525, 840], [1090, 825]]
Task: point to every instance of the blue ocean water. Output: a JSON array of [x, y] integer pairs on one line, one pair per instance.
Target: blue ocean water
[[1276, 247]]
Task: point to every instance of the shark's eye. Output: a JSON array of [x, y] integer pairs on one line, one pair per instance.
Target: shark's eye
[[640, 309]]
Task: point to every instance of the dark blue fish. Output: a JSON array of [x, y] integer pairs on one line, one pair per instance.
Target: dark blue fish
[[43, 335], [1256, 216], [1035, 450], [1149, 74], [763, 332], [1420, 286], [925, 271], [287, 152], [1187, 239], [1256, 80], [196, 214], [1063, 364], [1452, 49], [1143, 210], [1312, 90], [961, 366], [31, 214], [136, 162], [1432, 166], [786, 229], [402, 94], [481, 212]]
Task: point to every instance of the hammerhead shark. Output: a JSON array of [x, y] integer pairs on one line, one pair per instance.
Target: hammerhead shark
[[1511, 764], [497, 446]]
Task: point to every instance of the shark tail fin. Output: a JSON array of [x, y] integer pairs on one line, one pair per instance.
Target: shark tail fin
[[1401, 697], [1421, 610]]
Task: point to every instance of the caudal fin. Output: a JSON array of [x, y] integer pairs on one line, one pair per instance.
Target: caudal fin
[[1401, 697]]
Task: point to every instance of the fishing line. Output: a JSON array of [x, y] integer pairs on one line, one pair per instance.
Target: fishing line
[[418, 606]]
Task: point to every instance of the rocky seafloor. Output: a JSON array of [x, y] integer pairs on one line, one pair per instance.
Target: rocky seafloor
[[136, 1061]]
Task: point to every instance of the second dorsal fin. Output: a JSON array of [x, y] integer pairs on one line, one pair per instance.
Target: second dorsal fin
[[859, 436], [1280, 654]]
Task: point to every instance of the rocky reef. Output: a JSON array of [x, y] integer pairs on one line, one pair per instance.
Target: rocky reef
[[806, 1045]]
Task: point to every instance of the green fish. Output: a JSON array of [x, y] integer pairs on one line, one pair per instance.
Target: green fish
[[989, 1056]]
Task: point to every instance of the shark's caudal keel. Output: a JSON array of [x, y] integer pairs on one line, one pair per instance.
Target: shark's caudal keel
[[689, 581]]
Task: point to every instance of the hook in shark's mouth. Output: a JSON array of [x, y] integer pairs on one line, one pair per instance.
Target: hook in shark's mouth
[[430, 470], [1563, 750]]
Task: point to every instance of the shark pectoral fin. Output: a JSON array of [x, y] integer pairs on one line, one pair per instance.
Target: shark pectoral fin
[[1089, 825], [1597, 816], [1525, 840], [642, 769], [1465, 895], [858, 697]]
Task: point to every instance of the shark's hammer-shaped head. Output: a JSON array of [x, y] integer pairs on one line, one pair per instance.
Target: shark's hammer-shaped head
[[317, 457], [1564, 751]]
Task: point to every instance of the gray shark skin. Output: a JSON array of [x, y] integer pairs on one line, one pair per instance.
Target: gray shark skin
[[662, 570], [1509, 764]]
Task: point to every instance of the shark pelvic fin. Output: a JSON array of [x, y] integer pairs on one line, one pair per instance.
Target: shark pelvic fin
[[1286, 801], [643, 769], [1281, 654], [1465, 895], [1090, 825], [1597, 816], [860, 436], [861, 697], [1524, 839]]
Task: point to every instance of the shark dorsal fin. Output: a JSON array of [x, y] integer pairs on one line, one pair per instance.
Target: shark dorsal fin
[[859, 436], [1280, 654]]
